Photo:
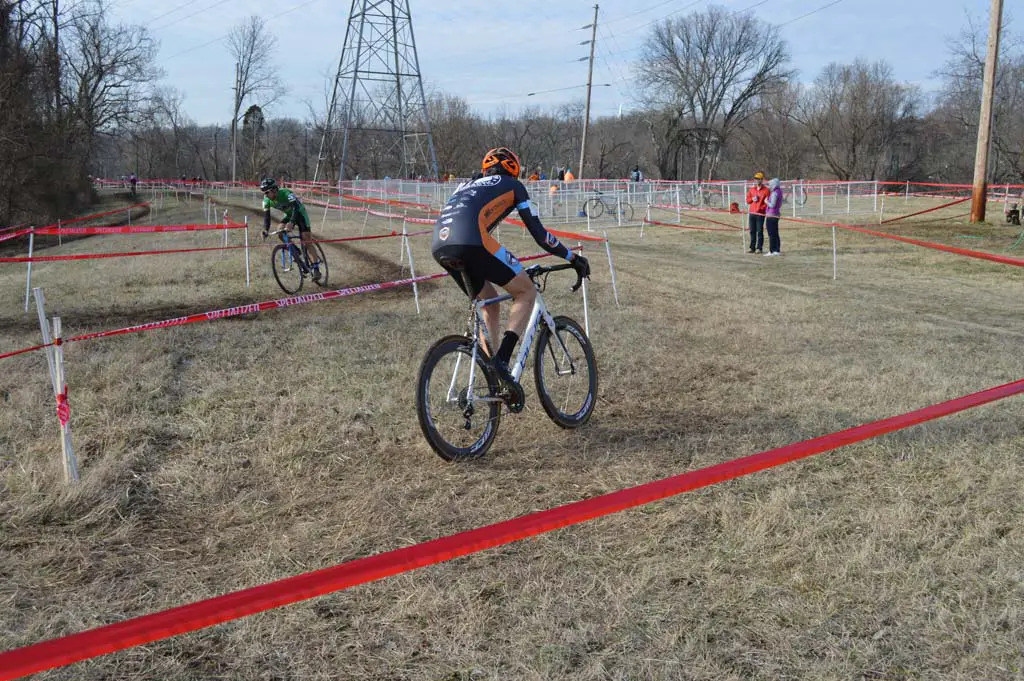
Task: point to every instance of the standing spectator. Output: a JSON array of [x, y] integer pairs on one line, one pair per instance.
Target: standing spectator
[[133, 180], [534, 176], [569, 177], [636, 175], [773, 209], [757, 199], [561, 174]]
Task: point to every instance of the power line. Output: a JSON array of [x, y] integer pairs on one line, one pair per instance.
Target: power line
[[641, 11], [172, 11], [222, 37], [654, 21], [802, 16], [189, 16]]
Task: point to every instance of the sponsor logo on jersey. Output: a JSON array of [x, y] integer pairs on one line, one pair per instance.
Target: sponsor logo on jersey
[[447, 221], [488, 181], [443, 234], [511, 259], [552, 241]]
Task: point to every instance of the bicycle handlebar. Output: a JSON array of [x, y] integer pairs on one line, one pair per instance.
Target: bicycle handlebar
[[535, 271]]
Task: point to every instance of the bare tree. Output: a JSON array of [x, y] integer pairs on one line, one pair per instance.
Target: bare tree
[[701, 75], [857, 115], [956, 115], [252, 46], [772, 139]]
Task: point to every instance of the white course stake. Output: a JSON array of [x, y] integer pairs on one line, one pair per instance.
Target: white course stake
[[55, 359], [611, 268], [586, 308], [28, 276], [835, 257], [247, 251], [401, 246], [412, 272]]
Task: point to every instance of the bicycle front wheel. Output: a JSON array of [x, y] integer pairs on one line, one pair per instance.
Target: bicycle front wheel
[[459, 417], [287, 270], [594, 208], [713, 199], [565, 372], [315, 248]]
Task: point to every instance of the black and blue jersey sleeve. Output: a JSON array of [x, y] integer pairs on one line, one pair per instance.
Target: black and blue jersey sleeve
[[543, 237]]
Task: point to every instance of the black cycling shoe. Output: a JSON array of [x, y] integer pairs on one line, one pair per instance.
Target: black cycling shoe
[[514, 396]]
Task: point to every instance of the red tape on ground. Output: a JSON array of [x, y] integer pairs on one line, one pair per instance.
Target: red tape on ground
[[706, 229], [137, 229], [96, 216], [927, 210], [1006, 260], [96, 256], [157, 626], [24, 350], [14, 235]]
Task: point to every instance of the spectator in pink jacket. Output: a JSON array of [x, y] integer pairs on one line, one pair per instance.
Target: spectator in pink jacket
[[772, 210]]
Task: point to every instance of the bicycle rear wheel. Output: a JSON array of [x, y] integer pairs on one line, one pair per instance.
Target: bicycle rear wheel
[[713, 199], [459, 419], [593, 208], [565, 372], [626, 211], [287, 270], [323, 262]]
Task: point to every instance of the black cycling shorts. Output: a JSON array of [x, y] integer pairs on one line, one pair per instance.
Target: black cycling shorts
[[300, 223], [478, 264]]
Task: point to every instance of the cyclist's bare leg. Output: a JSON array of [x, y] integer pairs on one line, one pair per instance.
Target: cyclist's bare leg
[[492, 317], [523, 294], [307, 241]]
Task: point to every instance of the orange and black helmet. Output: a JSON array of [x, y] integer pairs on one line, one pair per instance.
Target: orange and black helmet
[[501, 160]]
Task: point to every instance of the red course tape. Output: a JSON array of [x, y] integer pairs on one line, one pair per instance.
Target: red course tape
[[160, 625]]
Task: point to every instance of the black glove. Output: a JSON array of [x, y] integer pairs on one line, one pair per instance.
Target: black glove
[[581, 265], [266, 233]]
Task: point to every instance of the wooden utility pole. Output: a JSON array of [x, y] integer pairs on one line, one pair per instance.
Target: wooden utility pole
[[985, 119], [590, 80], [234, 120]]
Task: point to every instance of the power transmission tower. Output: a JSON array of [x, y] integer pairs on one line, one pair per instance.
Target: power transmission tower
[[377, 104]]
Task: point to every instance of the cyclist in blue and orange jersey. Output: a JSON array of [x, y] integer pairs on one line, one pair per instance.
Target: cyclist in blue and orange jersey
[[464, 246], [294, 212]]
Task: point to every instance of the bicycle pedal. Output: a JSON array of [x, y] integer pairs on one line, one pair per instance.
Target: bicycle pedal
[[514, 397]]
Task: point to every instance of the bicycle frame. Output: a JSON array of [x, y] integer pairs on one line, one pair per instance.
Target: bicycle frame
[[538, 314], [292, 253]]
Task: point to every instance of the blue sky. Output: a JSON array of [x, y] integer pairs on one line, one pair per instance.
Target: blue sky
[[494, 53]]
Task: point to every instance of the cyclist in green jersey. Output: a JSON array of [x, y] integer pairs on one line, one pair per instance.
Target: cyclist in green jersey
[[294, 212]]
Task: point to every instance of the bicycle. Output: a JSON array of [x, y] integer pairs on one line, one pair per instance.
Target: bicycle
[[599, 204], [459, 398], [700, 195], [799, 193], [291, 264]]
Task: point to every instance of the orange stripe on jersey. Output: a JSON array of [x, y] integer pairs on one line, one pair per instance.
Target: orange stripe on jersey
[[489, 215]]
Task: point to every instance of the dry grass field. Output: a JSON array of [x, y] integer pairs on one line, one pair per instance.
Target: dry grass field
[[226, 454]]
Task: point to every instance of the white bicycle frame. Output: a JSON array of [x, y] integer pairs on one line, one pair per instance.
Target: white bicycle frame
[[538, 314]]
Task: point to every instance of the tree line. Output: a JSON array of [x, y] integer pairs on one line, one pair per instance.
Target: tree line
[[717, 98]]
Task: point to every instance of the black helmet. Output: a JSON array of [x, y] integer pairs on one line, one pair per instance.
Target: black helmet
[[268, 184]]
